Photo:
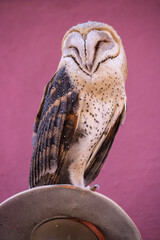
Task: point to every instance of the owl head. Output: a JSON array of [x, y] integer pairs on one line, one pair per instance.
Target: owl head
[[92, 47]]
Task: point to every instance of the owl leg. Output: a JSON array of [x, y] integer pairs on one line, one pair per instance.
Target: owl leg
[[76, 172], [77, 158]]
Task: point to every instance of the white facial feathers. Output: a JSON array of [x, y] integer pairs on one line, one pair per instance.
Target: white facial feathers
[[74, 47], [100, 46], [89, 51], [91, 44]]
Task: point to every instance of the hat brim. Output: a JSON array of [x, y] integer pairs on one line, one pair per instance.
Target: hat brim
[[21, 214]]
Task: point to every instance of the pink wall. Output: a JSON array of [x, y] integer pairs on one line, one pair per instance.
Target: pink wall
[[30, 41]]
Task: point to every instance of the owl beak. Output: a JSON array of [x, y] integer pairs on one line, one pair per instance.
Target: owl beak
[[88, 67]]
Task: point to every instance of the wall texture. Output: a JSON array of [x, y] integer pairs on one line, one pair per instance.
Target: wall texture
[[30, 42]]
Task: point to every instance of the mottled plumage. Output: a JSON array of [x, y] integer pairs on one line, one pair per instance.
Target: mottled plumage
[[82, 108]]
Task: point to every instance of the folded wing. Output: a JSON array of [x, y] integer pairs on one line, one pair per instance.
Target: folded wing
[[54, 129], [99, 156]]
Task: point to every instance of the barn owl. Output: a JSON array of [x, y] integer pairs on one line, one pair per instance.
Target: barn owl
[[82, 107]]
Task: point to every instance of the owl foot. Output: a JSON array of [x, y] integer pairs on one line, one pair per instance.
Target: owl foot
[[94, 188]]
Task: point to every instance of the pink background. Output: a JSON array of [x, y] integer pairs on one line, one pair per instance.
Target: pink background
[[30, 43]]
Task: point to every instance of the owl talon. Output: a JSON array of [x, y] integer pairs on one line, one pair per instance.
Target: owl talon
[[94, 188]]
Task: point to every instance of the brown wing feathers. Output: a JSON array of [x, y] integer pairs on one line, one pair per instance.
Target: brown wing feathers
[[53, 130]]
